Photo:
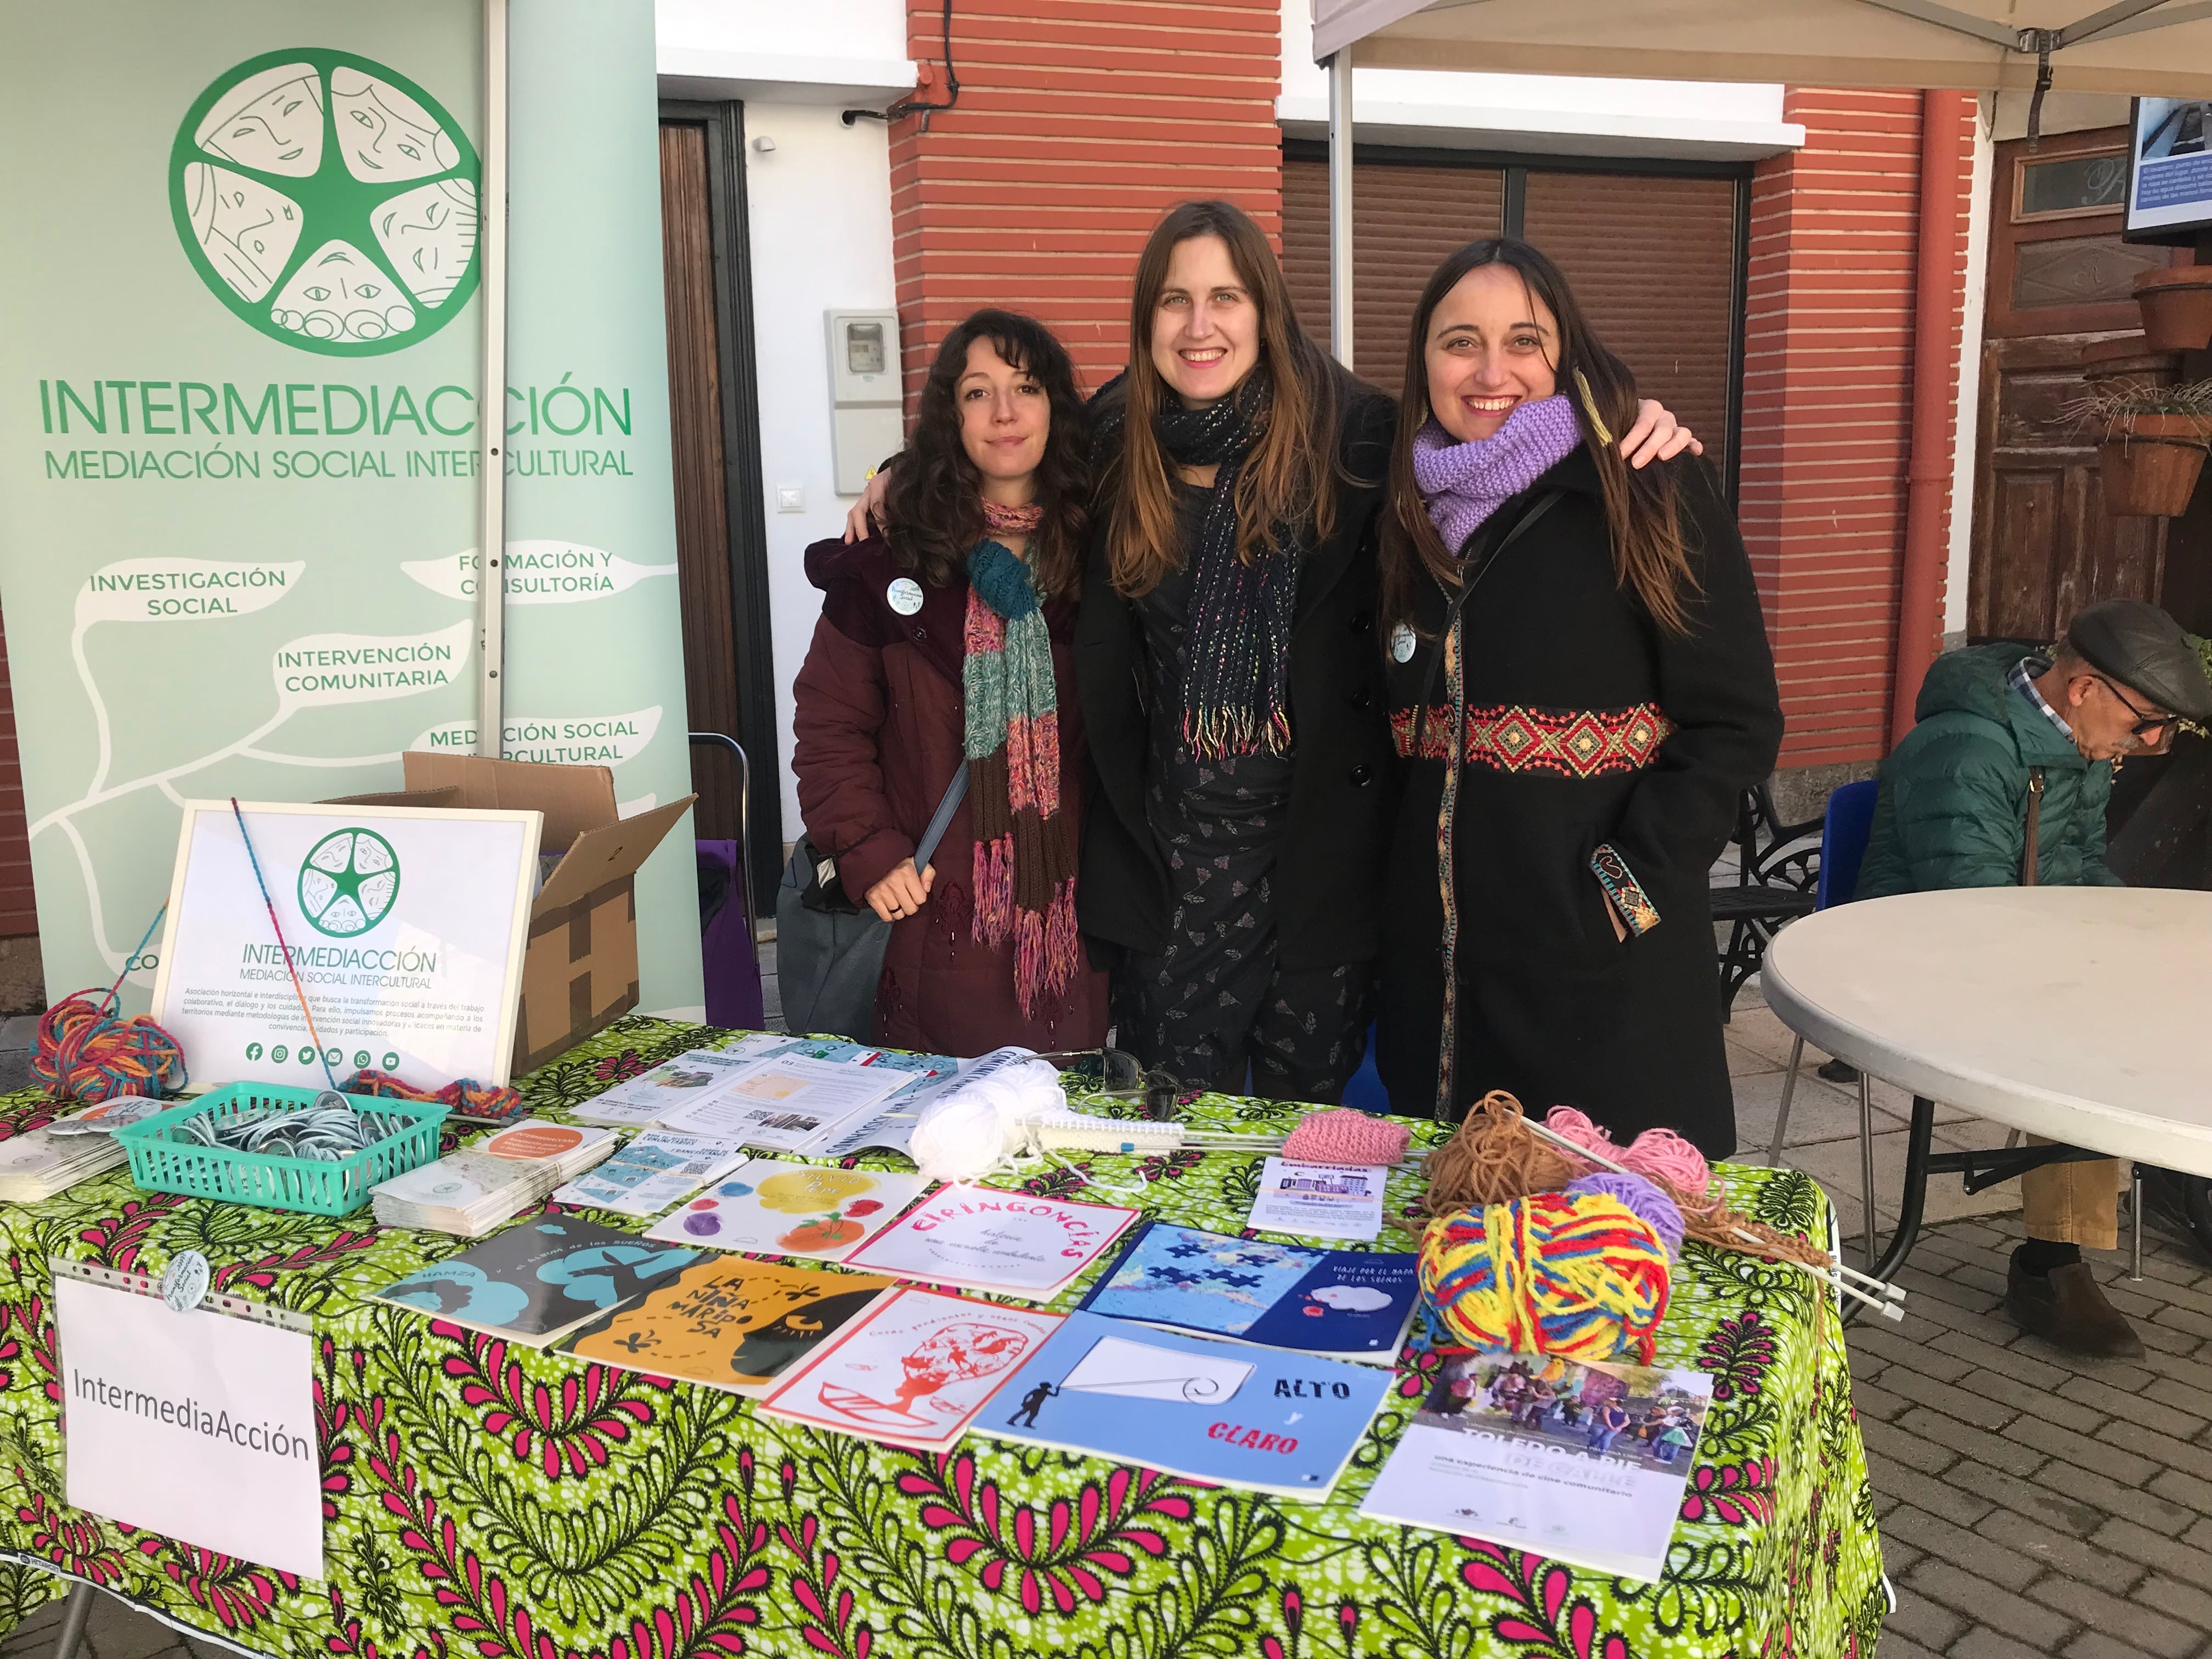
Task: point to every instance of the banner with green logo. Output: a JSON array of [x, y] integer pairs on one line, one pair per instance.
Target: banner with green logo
[[240, 402]]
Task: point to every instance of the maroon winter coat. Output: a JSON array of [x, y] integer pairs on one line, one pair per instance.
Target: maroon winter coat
[[880, 728]]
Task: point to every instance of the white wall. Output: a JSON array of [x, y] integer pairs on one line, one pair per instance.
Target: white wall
[[821, 214], [1958, 565], [851, 51], [819, 207], [1535, 113]]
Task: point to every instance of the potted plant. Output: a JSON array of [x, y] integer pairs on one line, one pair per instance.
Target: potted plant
[[2176, 301], [2155, 439]]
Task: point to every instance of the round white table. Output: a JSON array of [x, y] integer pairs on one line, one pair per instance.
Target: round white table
[[2077, 1014]]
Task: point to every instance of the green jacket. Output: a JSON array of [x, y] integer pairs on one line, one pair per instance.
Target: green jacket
[[1953, 810]]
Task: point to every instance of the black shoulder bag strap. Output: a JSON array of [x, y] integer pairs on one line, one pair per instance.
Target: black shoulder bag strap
[[954, 792], [1521, 525], [2034, 811]]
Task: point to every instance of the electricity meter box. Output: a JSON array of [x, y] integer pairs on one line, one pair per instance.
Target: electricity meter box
[[864, 394]]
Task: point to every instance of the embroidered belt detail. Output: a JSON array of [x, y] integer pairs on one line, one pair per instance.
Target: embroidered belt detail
[[1579, 743]]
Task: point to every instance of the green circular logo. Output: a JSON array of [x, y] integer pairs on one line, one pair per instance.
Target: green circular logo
[[347, 884], [328, 201]]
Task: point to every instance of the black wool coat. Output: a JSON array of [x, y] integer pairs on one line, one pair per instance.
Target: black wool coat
[[1588, 726], [1327, 883]]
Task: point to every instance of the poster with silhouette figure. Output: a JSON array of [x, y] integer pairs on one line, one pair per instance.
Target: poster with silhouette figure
[[538, 1282], [914, 1369], [1338, 1304], [729, 1322], [1226, 1412]]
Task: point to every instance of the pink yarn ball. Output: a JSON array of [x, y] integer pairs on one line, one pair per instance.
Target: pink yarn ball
[[1657, 1154]]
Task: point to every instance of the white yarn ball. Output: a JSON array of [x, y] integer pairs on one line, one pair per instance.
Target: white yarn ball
[[966, 1131]]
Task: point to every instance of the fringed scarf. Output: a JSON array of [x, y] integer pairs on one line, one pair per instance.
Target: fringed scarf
[[1025, 874], [1236, 696]]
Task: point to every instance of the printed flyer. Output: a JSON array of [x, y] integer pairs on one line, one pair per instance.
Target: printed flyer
[[1584, 1463], [1346, 1304], [1319, 1201], [1212, 1410], [781, 1103], [654, 1170], [914, 1369], [1016, 1243], [673, 1084], [770, 1208], [538, 1281], [730, 1323]]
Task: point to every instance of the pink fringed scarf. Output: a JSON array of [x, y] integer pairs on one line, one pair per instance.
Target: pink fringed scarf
[[1025, 871]]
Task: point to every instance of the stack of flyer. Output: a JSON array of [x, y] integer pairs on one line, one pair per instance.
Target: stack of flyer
[[470, 1192], [38, 1164], [656, 1170], [675, 1083]]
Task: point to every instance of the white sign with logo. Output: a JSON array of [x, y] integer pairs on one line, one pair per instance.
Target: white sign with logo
[[403, 928], [195, 1426]]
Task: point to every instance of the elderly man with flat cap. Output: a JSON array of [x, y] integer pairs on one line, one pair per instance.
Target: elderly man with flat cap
[[2003, 782]]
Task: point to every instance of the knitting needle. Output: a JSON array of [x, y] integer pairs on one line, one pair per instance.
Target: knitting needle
[[1886, 1306], [1580, 1150]]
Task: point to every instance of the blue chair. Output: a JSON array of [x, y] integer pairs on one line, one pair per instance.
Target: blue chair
[[1844, 834]]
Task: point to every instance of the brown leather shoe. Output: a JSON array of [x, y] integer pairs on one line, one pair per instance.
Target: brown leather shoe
[[2065, 1306]]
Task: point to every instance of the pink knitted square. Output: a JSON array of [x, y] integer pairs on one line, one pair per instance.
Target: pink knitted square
[[1342, 1135]]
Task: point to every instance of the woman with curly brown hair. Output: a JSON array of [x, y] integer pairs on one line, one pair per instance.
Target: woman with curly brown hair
[[946, 639]]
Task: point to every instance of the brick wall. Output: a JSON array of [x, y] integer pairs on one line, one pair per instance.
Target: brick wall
[[1828, 406], [18, 911], [1079, 122]]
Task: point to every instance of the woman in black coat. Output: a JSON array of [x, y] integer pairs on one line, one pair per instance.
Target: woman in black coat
[[1608, 688]]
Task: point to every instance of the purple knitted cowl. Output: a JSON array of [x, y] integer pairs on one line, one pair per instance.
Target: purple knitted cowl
[[1462, 484]]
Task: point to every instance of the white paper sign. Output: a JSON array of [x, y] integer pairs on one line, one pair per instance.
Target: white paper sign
[[195, 1426], [406, 926]]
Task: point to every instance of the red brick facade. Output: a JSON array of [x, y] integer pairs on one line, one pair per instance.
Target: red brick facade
[[1828, 406], [18, 912], [1079, 121]]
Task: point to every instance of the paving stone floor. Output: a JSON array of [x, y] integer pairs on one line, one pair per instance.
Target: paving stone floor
[[2032, 1504]]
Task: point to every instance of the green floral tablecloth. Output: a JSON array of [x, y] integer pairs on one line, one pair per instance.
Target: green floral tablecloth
[[486, 1501]]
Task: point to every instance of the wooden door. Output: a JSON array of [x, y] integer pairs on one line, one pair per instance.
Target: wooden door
[[2059, 279], [721, 570]]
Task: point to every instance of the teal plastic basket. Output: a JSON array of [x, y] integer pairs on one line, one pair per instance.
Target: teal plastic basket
[[163, 1160]]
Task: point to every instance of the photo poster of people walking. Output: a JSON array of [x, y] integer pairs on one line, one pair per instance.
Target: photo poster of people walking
[[2169, 170], [1583, 1462]]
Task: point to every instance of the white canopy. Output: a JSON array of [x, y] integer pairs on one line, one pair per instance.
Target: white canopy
[[2148, 48]]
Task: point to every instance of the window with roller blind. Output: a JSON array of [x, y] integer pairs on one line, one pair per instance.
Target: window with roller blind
[[1656, 254]]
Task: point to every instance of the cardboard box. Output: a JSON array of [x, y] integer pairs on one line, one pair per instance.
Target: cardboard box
[[580, 972]]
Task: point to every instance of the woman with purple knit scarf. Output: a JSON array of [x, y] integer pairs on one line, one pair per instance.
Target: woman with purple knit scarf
[[1580, 687]]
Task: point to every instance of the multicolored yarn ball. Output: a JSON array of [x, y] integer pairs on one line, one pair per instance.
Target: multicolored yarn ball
[[467, 1095], [1582, 1276], [86, 1052], [1643, 1198], [1341, 1134]]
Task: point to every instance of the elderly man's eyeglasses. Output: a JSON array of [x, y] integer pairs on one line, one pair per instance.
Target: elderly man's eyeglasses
[[2147, 726]]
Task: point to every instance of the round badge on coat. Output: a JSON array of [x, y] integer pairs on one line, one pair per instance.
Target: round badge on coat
[[1402, 643], [904, 596]]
